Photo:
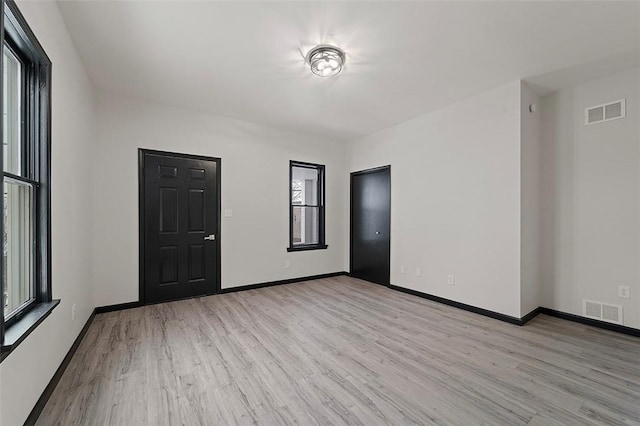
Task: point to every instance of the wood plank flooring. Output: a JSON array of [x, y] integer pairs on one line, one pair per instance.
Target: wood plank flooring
[[342, 351]]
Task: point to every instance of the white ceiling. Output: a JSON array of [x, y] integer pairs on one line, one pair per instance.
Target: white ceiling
[[245, 60]]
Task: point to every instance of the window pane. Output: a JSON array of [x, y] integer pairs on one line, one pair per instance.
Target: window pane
[[304, 184], [18, 245], [305, 225], [12, 112]]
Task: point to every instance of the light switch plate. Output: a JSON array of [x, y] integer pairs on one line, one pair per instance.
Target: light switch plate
[[623, 291]]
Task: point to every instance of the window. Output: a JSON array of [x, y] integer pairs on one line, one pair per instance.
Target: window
[[306, 206], [18, 244], [25, 227]]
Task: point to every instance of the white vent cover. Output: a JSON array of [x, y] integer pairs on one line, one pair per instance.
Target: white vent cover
[[602, 311], [605, 112]]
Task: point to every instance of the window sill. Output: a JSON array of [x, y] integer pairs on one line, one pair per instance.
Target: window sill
[[306, 248], [19, 330]]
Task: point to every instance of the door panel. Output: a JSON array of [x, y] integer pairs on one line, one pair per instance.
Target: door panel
[[371, 225], [168, 210], [197, 262], [181, 206], [168, 265], [196, 210]]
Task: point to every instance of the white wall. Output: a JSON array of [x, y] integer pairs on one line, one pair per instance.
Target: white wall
[[591, 195], [455, 198], [530, 142], [26, 371], [255, 185]]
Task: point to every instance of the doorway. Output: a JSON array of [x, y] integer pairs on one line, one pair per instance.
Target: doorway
[[370, 242], [179, 225]]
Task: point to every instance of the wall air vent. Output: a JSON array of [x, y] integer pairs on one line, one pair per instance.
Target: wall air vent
[[602, 311], [605, 112]]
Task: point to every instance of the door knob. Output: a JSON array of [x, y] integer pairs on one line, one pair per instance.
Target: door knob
[[210, 237], [377, 232]]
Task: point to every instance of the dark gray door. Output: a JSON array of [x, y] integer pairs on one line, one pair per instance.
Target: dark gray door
[[181, 208], [371, 224]]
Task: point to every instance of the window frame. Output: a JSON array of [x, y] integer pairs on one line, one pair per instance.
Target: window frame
[[36, 170], [321, 196]]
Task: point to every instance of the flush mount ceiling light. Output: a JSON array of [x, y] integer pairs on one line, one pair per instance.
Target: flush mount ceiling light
[[325, 60]]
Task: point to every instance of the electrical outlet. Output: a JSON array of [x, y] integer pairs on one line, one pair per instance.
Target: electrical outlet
[[287, 264], [418, 272], [228, 213], [403, 270], [623, 291], [74, 311], [451, 280]]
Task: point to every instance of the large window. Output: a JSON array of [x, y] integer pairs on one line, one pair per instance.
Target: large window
[[306, 212], [25, 205]]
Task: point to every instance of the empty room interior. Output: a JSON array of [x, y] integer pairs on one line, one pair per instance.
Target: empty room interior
[[320, 213]]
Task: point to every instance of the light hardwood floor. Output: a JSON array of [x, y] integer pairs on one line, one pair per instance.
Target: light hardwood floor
[[342, 351]]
